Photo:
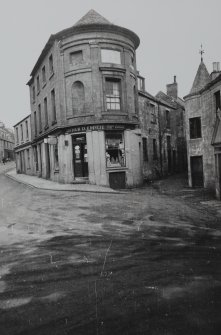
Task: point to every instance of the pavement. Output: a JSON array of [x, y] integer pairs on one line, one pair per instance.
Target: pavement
[[44, 184], [6, 167]]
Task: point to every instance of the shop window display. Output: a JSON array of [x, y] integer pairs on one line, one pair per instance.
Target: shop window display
[[115, 151]]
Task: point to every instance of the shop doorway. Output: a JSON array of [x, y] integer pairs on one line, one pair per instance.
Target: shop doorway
[[80, 158], [197, 171]]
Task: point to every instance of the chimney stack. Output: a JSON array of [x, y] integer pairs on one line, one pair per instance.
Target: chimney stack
[[172, 89], [216, 70]]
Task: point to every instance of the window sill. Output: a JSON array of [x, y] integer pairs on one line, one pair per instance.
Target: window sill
[[114, 112], [195, 138], [51, 75], [116, 168], [78, 116]]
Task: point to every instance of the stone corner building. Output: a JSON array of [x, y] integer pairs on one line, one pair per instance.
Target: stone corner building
[[203, 106], [84, 108], [91, 118]]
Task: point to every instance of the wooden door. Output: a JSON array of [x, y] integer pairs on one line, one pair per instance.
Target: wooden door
[[197, 171], [80, 156]]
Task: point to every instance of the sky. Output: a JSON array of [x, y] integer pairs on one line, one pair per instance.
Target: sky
[[170, 31]]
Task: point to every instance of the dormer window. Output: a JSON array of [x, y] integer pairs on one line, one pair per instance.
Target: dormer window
[[110, 56]]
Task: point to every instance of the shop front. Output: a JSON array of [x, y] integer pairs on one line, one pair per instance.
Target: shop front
[[107, 155]]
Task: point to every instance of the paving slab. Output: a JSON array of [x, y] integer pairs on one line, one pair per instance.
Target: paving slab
[[43, 184]]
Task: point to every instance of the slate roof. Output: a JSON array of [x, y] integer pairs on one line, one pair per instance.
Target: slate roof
[[92, 17], [166, 98], [201, 79]]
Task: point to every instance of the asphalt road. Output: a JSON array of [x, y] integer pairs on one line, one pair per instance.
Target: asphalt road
[[145, 262]]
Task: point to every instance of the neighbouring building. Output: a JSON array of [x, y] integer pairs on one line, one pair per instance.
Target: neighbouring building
[[23, 147], [203, 106], [91, 118], [6, 143], [163, 132]]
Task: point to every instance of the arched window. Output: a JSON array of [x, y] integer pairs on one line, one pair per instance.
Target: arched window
[[78, 97]]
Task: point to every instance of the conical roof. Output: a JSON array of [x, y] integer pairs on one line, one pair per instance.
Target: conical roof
[[201, 79], [92, 17]]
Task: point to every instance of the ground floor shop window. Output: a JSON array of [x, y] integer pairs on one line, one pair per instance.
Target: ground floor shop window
[[115, 150]]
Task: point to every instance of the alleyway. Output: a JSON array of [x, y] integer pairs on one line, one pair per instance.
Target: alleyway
[[144, 262]]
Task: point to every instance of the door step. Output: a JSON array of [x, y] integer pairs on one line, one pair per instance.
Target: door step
[[83, 180]]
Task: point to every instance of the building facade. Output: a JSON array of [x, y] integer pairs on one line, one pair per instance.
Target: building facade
[[6, 143], [163, 132], [84, 108], [91, 118], [203, 131], [23, 147]]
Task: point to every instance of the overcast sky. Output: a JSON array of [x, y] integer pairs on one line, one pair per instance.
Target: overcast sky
[[170, 31]]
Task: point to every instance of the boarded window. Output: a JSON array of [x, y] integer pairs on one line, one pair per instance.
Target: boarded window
[[78, 97], [76, 57], [195, 127], [110, 56]]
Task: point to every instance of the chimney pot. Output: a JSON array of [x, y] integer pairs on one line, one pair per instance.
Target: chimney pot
[[174, 79], [216, 66]]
